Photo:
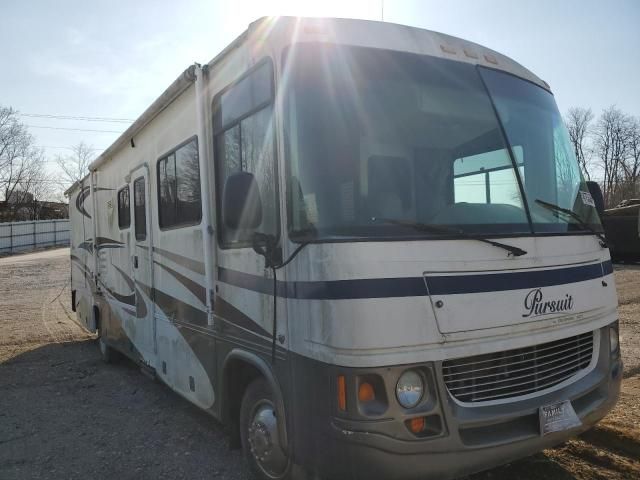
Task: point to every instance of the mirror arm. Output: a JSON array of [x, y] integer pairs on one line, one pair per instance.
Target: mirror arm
[[266, 245]]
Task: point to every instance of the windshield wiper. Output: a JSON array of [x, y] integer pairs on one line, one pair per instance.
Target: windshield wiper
[[425, 227], [557, 209]]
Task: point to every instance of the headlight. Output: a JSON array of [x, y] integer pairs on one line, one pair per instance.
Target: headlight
[[614, 338], [409, 389]]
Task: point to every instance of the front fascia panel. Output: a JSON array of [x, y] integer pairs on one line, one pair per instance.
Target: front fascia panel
[[369, 320]]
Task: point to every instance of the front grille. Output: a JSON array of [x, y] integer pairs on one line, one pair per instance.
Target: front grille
[[513, 373]]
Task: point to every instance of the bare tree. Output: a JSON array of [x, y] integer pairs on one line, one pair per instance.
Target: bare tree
[[578, 121], [611, 142], [39, 188], [75, 166], [631, 164], [21, 163]]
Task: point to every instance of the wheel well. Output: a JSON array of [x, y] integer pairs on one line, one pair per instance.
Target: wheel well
[[238, 375]]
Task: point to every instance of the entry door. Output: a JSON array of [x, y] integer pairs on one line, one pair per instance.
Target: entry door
[[142, 259]]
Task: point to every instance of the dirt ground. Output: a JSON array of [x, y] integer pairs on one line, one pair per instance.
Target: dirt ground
[[65, 414]]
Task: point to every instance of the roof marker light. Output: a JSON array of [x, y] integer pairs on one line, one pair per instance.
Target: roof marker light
[[491, 59], [470, 53], [448, 49]]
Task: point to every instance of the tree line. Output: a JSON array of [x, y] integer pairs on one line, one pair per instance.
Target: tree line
[[26, 187], [608, 150]]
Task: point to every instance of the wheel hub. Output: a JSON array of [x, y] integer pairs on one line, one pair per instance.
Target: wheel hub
[[264, 441]]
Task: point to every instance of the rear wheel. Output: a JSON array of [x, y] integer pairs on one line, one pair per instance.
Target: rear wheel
[[259, 434]]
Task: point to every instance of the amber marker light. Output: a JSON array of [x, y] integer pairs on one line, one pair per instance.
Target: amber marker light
[[416, 425], [366, 393], [342, 393]]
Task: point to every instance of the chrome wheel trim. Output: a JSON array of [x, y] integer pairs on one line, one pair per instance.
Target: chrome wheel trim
[[264, 441]]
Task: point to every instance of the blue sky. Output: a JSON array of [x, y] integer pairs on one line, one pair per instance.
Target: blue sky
[[113, 58]]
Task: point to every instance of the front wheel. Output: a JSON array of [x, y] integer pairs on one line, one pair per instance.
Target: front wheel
[[259, 434]]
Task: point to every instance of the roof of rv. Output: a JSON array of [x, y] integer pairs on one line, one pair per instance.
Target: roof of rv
[[283, 31], [278, 32]]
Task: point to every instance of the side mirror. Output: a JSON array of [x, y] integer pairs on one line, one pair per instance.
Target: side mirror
[[596, 194], [241, 202]]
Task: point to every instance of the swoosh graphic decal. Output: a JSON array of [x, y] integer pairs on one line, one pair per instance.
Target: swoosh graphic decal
[[238, 327], [224, 310], [194, 287], [83, 268], [176, 309], [234, 316], [86, 245], [126, 299], [126, 278], [83, 195], [186, 262], [104, 242], [141, 305]]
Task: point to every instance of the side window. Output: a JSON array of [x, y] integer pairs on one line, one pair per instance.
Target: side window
[[139, 209], [244, 141], [124, 210], [179, 202]]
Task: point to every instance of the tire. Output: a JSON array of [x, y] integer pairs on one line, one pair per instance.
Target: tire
[[259, 434], [108, 354]]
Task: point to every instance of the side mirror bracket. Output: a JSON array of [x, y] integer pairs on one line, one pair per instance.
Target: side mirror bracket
[[267, 245]]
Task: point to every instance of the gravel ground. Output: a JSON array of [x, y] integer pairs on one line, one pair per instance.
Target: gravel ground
[[65, 414]]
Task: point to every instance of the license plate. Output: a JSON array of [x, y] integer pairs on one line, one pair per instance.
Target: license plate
[[558, 417]]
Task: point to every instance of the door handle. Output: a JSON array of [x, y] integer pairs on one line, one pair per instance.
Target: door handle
[[135, 261]]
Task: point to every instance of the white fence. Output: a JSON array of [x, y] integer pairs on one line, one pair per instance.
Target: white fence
[[22, 236]]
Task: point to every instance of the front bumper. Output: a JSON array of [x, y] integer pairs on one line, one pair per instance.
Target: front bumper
[[472, 438]]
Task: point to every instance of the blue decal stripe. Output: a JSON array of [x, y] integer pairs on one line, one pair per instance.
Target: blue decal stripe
[[415, 286], [499, 282]]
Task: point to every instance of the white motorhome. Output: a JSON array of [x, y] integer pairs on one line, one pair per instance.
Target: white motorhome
[[366, 248]]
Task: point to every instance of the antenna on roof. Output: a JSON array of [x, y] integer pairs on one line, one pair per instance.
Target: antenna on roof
[[382, 10]]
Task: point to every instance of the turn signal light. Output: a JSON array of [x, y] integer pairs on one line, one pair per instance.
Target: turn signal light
[[342, 393], [366, 393], [416, 425]]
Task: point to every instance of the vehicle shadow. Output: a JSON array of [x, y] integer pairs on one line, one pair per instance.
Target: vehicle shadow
[[66, 414]]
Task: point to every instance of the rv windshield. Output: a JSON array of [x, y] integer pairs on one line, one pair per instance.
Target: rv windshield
[[374, 134]]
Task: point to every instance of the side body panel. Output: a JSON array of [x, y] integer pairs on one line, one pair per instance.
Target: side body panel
[[81, 244]]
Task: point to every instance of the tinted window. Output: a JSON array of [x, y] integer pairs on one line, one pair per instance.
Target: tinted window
[[139, 210], [179, 187], [124, 212], [247, 145], [247, 95]]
